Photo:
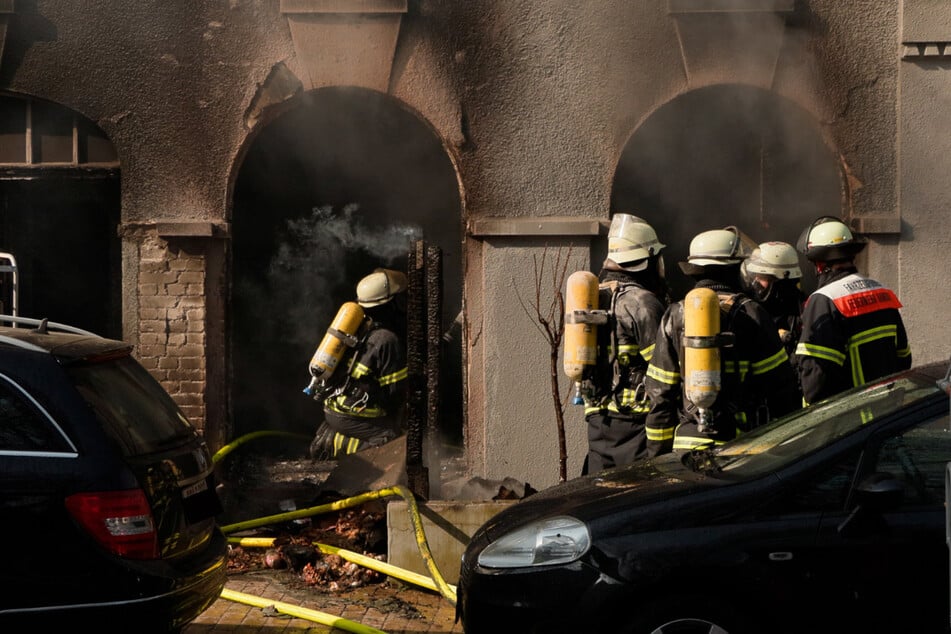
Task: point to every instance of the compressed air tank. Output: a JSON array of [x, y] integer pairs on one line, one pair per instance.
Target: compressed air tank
[[701, 347], [339, 337], [580, 349]]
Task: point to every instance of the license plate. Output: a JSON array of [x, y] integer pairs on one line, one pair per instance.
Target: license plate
[[192, 489]]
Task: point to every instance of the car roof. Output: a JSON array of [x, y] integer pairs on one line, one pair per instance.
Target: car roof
[[66, 343]]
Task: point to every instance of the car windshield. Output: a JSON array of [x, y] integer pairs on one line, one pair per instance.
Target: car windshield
[[138, 414], [790, 438]]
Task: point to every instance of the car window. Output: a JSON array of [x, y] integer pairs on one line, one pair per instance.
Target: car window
[[137, 411], [918, 458], [787, 439], [827, 491], [24, 428]]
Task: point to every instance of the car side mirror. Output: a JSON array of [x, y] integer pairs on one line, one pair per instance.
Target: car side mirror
[[880, 492], [877, 493]]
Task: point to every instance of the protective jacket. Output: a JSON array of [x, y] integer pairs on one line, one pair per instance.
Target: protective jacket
[[852, 334], [617, 405], [784, 304], [369, 405], [757, 380]]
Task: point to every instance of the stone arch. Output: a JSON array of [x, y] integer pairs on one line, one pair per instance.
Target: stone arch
[[59, 215], [333, 183], [728, 155]]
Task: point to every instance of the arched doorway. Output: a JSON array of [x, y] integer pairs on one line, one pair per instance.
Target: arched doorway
[[727, 155], [59, 213], [344, 181]]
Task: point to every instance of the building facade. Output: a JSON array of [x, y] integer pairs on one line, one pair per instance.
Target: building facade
[[210, 179]]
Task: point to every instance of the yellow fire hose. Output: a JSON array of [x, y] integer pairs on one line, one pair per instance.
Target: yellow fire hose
[[298, 611], [447, 591], [436, 583], [224, 451], [367, 562]]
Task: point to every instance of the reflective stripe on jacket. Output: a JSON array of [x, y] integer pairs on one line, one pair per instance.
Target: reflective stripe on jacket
[[757, 378], [852, 334], [376, 385]]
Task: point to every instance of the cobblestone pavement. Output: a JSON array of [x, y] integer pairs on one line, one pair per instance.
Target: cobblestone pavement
[[391, 606]]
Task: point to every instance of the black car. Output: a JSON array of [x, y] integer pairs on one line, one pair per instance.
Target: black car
[[107, 503], [831, 519]]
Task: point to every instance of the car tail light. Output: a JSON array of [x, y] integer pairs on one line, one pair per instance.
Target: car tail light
[[121, 521]]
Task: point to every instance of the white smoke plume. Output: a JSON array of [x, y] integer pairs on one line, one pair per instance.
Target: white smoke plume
[[320, 259]]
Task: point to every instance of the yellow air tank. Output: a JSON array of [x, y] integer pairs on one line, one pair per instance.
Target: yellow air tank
[[702, 351], [341, 335], [581, 297]]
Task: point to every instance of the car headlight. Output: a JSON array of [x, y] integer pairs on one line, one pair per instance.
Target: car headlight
[[555, 540]]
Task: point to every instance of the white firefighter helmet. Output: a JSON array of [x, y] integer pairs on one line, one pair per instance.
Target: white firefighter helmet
[[828, 238], [778, 259], [631, 242], [379, 287], [769, 263], [718, 247]]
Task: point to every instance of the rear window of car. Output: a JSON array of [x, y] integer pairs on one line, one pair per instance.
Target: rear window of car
[[25, 427], [135, 409]]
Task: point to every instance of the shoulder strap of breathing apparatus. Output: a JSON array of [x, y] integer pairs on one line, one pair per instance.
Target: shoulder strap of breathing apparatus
[[610, 371]]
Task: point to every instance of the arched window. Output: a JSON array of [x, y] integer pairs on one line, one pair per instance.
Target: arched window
[[39, 133]]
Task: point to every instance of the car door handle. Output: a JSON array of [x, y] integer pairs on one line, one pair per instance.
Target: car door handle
[[781, 556]]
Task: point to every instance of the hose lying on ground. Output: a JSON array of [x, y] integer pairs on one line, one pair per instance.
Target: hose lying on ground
[[224, 451], [298, 611], [448, 592], [367, 562]]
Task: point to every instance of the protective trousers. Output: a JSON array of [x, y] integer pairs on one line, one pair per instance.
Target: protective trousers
[[613, 441]]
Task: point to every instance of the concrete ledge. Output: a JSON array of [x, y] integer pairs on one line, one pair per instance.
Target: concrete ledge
[[729, 6], [538, 226], [448, 527], [876, 224], [343, 6]]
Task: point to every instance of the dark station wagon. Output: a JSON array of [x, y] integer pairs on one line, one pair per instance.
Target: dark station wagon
[[107, 500], [830, 520]]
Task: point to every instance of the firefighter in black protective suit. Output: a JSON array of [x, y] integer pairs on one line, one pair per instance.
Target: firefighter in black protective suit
[[633, 291], [852, 329], [771, 275], [367, 408], [758, 382]]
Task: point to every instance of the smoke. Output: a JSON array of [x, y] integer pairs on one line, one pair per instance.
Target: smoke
[[326, 228], [319, 260]]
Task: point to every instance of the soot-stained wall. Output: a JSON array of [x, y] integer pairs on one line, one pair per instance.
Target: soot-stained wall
[[540, 119]]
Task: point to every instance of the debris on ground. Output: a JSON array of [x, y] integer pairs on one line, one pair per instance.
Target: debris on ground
[[259, 484]]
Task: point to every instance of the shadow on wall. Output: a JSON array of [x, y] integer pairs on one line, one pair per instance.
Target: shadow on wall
[[343, 183], [727, 155]]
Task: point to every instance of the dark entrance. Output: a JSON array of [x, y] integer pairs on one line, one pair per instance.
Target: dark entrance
[[340, 184], [727, 155]]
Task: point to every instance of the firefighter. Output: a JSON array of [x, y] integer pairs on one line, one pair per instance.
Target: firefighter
[[367, 408], [633, 291], [751, 380], [771, 275], [852, 329]]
